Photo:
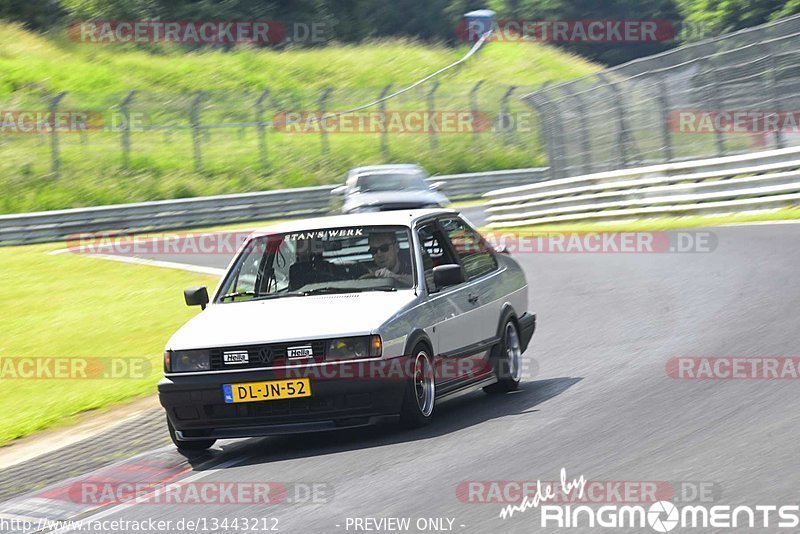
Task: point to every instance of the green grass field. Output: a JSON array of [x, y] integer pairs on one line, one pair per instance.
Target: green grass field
[[81, 307], [162, 165]]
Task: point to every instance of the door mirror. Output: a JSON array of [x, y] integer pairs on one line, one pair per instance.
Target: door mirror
[[436, 186], [340, 190], [448, 275], [196, 296]]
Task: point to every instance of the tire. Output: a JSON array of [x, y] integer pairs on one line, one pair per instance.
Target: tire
[[419, 400], [188, 445], [508, 361]]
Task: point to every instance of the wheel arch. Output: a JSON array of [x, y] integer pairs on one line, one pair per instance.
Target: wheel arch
[[507, 312], [418, 335]]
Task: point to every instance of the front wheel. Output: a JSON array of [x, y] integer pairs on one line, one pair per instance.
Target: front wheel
[[508, 363], [200, 445], [420, 395]]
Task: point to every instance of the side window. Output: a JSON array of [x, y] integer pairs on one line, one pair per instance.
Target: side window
[[474, 254], [434, 252]]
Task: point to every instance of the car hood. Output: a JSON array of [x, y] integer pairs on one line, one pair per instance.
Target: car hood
[[400, 197], [289, 319]]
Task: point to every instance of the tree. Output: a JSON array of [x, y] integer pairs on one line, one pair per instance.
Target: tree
[[665, 11], [709, 18]]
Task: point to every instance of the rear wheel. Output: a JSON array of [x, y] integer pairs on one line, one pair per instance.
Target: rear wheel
[[420, 396], [200, 445], [508, 362]]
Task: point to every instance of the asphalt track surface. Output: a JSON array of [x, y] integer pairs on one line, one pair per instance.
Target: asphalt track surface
[[599, 404]]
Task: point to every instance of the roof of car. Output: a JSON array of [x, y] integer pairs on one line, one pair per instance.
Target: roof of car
[[403, 167], [379, 218]]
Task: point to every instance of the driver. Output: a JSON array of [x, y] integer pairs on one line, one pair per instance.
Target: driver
[[391, 264]]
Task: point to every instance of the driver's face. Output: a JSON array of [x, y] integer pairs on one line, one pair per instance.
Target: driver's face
[[384, 251]]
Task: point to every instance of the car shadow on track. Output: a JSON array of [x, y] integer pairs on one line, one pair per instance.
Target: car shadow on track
[[457, 414]]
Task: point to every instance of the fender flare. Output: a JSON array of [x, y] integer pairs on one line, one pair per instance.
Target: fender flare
[[506, 312], [416, 336]]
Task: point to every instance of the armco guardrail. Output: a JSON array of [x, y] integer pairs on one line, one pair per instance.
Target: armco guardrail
[[473, 185], [221, 209], [761, 180]]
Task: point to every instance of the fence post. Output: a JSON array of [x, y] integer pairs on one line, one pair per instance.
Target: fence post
[[473, 104], [556, 128], [540, 103], [384, 129], [323, 101], [586, 147], [712, 96], [431, 104], [776, 99], [666, 133], [505, 113], [622, 127], [55, 162], [195, 121], [262, 130], [126, 129], [84, 134]]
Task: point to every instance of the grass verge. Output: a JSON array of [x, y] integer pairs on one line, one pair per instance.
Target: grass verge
[[71, 306]]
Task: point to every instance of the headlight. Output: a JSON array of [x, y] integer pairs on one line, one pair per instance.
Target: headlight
[[185, 361], [349, 348]]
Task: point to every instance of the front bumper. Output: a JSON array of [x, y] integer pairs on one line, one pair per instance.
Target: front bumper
[[343, 394]]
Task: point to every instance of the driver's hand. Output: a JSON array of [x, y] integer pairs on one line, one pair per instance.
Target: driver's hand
[[384, 273]]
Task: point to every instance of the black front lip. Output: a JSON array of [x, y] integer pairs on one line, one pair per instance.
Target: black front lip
[[196, 406], [284, 429]]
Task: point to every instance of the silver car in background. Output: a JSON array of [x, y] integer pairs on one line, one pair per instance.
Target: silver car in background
[[389, 187]]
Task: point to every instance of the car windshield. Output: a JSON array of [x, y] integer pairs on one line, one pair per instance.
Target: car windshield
[[319, 261], [371, 183]]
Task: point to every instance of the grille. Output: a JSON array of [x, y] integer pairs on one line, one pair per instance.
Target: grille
[[265, 355]]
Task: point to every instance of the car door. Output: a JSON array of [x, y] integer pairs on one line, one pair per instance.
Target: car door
[[451, 310], [481, 271]]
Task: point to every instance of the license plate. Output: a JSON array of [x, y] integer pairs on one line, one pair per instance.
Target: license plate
[[264, 391]]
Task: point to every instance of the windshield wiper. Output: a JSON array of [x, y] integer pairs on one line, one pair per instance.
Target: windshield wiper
[[238, 294], [258, 296], [278, 295], [333, 290], [328, 290]]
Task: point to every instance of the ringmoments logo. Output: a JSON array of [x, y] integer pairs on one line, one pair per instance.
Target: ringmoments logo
[[660, 516]]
